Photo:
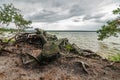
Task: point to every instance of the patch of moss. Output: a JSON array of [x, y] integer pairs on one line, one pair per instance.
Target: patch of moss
[[6, 40], [69, 47], [115, 57]]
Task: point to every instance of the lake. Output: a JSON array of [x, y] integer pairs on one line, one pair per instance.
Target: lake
[[88, 40]]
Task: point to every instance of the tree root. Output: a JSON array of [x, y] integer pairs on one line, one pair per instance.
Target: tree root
[[112, 65], [2, 49], [84, 66], [28, 58]]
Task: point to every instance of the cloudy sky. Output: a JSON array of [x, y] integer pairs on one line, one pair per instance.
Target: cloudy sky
[[66, 14]]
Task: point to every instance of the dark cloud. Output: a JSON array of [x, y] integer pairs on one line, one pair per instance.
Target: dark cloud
[[95, 16]]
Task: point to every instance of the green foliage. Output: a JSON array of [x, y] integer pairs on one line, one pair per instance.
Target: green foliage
[[69, 47], [10, 14], [6, 40], [111, 28], [114, 57], [117, 11], [7, 30]]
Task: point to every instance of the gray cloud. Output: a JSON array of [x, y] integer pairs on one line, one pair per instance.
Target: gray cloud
[[97, 16], [75, 8], [52, 11]]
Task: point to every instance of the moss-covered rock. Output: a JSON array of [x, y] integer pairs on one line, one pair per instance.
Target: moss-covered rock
[[50, 49], [50, 52]]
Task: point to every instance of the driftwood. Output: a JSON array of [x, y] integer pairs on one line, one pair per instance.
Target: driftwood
[[77, 49], [51, 46], [85, 52], [31, 38]]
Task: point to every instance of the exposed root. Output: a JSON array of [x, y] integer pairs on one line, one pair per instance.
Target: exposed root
[[27, 59], [84, 66], [112, 65]]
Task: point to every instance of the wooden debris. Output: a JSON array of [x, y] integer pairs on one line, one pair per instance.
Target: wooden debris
[[50, 45]]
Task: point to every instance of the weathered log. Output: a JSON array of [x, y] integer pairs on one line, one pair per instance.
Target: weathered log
[[31, 38]]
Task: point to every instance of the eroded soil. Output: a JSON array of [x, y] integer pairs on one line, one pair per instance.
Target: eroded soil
[[67, 67]]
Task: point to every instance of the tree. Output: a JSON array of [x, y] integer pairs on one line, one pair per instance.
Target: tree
[[112, 28], [10, 14]]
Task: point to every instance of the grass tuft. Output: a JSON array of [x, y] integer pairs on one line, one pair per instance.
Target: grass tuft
[[115, 57]]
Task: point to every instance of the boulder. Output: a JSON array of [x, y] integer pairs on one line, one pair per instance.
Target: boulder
[[50, 52]]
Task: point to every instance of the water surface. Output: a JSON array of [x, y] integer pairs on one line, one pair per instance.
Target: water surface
[[88, 40]]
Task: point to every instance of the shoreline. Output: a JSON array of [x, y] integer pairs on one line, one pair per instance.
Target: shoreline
[[71, 64]]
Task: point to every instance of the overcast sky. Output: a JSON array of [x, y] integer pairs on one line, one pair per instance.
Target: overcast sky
[[66, 14]]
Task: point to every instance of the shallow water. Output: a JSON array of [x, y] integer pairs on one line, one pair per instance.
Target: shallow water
[[88, 40]]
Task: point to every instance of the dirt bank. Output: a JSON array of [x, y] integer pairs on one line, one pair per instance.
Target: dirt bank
[[68, 67]]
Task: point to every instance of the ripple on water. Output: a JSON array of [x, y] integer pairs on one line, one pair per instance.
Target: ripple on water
[[88, 40]]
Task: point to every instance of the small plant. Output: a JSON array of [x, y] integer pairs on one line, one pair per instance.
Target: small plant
[[114, 57], [69, 47], [5, 40]]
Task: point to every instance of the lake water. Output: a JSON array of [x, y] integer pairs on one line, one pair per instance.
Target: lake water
[[88, 40]]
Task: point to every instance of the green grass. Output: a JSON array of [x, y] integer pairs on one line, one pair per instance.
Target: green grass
[[6, 40], [7, 30], [69, 47], [115, 57]]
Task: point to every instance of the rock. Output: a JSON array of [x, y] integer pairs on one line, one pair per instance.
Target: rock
[[50, 49], [50, 52]]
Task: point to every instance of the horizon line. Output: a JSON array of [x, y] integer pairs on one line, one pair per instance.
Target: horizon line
[[71, 30]]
